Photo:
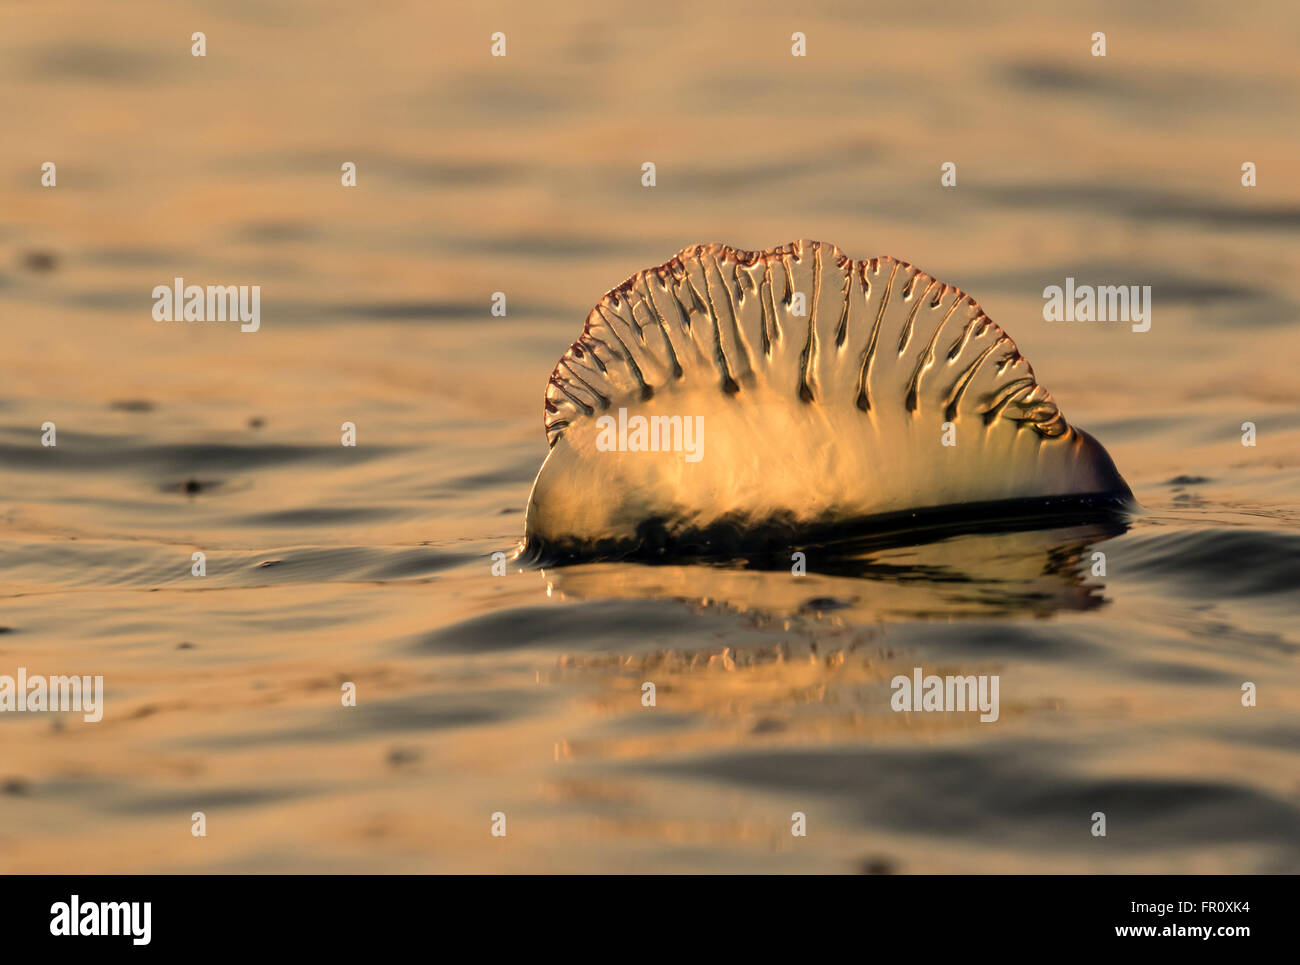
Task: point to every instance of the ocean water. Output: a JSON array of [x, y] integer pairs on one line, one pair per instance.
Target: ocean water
[[521, 693]]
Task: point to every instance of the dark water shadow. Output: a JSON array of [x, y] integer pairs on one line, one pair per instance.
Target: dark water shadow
[[991, 570], [1018, 794]]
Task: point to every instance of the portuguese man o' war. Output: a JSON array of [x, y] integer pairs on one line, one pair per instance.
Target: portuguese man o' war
[[734, 399]]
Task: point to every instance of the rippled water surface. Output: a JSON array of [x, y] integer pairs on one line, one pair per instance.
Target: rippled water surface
[[521, 693]]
